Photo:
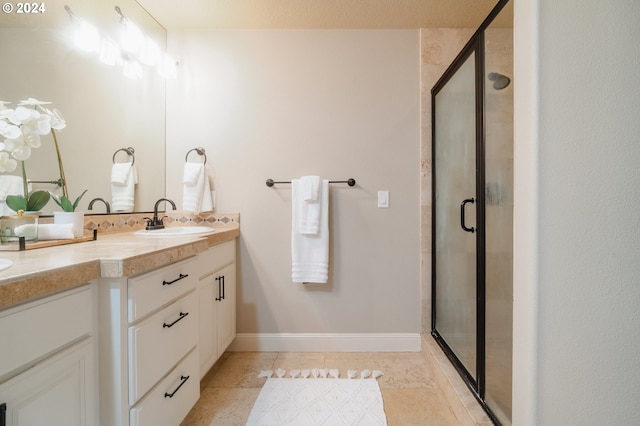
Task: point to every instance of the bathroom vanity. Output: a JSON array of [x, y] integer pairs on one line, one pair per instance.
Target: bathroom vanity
[[116, 331], [48, 360]]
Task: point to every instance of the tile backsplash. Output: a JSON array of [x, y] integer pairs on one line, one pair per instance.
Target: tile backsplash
[[128, 222]]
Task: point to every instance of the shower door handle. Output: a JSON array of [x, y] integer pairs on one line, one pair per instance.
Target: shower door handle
[[462, 218]]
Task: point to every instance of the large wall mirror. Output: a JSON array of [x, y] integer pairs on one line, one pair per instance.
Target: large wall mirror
[[105, 110]]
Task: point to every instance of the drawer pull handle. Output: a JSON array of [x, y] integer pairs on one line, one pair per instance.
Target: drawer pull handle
[[220, 280], [182, 276], [182, 315], [184, 380]]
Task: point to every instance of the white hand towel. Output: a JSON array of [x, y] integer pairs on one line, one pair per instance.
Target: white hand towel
[[310, 187], [191, 173], [123, 195], [192, 193], [196, 197], [310, 252], [120, 173], [309, 205], [9, 185], [55, 231]]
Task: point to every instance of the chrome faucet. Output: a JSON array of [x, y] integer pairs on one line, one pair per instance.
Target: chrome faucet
[[99, 199], [157, 223]]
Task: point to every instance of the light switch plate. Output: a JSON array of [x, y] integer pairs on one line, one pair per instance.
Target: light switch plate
[[383, 199]]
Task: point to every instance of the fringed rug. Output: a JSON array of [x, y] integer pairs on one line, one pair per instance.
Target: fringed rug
[[319, 397]]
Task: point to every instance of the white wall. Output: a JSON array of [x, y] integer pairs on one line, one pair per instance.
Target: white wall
[[284, 103], [577, 229]]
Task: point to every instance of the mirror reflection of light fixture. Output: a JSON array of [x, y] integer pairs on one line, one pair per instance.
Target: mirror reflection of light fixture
[[132, 69], [132, 38], [140, 48], [85, 37], [109, 53], [150, 53], [135, 50]]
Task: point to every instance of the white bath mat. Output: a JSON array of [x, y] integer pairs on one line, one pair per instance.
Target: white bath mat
[[318, 401]]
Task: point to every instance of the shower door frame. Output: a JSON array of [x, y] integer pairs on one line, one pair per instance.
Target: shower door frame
[[474, 46]]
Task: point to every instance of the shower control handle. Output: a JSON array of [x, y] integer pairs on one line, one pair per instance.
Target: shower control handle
[[462, 218]]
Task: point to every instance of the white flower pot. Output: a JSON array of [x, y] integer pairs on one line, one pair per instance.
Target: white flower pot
[[75, 218]]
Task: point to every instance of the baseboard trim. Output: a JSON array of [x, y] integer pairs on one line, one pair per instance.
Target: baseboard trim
[[326, 342]]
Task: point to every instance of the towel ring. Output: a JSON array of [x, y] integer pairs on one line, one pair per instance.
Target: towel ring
[[130, 151], [199, 150]]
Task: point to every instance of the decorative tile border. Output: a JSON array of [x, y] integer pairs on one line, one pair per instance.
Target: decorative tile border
[[129, 222]]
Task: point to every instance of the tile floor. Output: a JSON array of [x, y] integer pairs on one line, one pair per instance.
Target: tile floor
[[415, 389]]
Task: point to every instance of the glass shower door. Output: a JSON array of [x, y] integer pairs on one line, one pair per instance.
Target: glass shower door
[[498, 104], [455, 250]]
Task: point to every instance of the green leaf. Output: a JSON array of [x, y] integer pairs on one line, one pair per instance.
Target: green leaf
[[16, 202], [37, 200], [65, 203], [75, 204]]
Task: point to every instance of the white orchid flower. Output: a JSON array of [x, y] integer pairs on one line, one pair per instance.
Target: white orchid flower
[[9, 115], [33, 102], [9, 130], [40, 123], [19, 149], [31, 136], [7, 164], [57, 121], [2, 105]]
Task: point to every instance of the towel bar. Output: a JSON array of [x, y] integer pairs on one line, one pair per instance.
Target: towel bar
[[350, 182], [58, 182]]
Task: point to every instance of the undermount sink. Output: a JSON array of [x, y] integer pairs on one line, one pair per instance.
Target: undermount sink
[[175, 231], [5, 263]]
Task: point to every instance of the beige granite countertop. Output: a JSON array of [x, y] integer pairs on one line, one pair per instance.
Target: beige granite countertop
[[40, 272]]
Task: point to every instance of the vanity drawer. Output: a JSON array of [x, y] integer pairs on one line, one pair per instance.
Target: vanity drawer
[[36, 329], [152, 290], [158, 342], [170, 401], [217, 257]]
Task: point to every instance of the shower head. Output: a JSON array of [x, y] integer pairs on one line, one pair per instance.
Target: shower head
[[499, 81]]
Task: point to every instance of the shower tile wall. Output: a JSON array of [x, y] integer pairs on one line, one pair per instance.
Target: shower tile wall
[[438, 48]]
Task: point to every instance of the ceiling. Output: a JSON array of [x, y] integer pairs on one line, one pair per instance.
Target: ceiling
[[317, 14]]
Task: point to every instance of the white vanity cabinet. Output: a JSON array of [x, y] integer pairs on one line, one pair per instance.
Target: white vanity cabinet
[[217, 299], [48, 368], [148, 345]]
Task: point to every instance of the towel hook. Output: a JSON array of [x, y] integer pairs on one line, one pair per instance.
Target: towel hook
[[130, 151], [199, 150]]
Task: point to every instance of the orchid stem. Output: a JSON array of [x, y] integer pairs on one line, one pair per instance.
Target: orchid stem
[[25, 184], [60, 167]]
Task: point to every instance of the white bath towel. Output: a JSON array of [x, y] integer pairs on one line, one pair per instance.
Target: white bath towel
[[310, 252], [124, 178], [9, 185], [196, 196]]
